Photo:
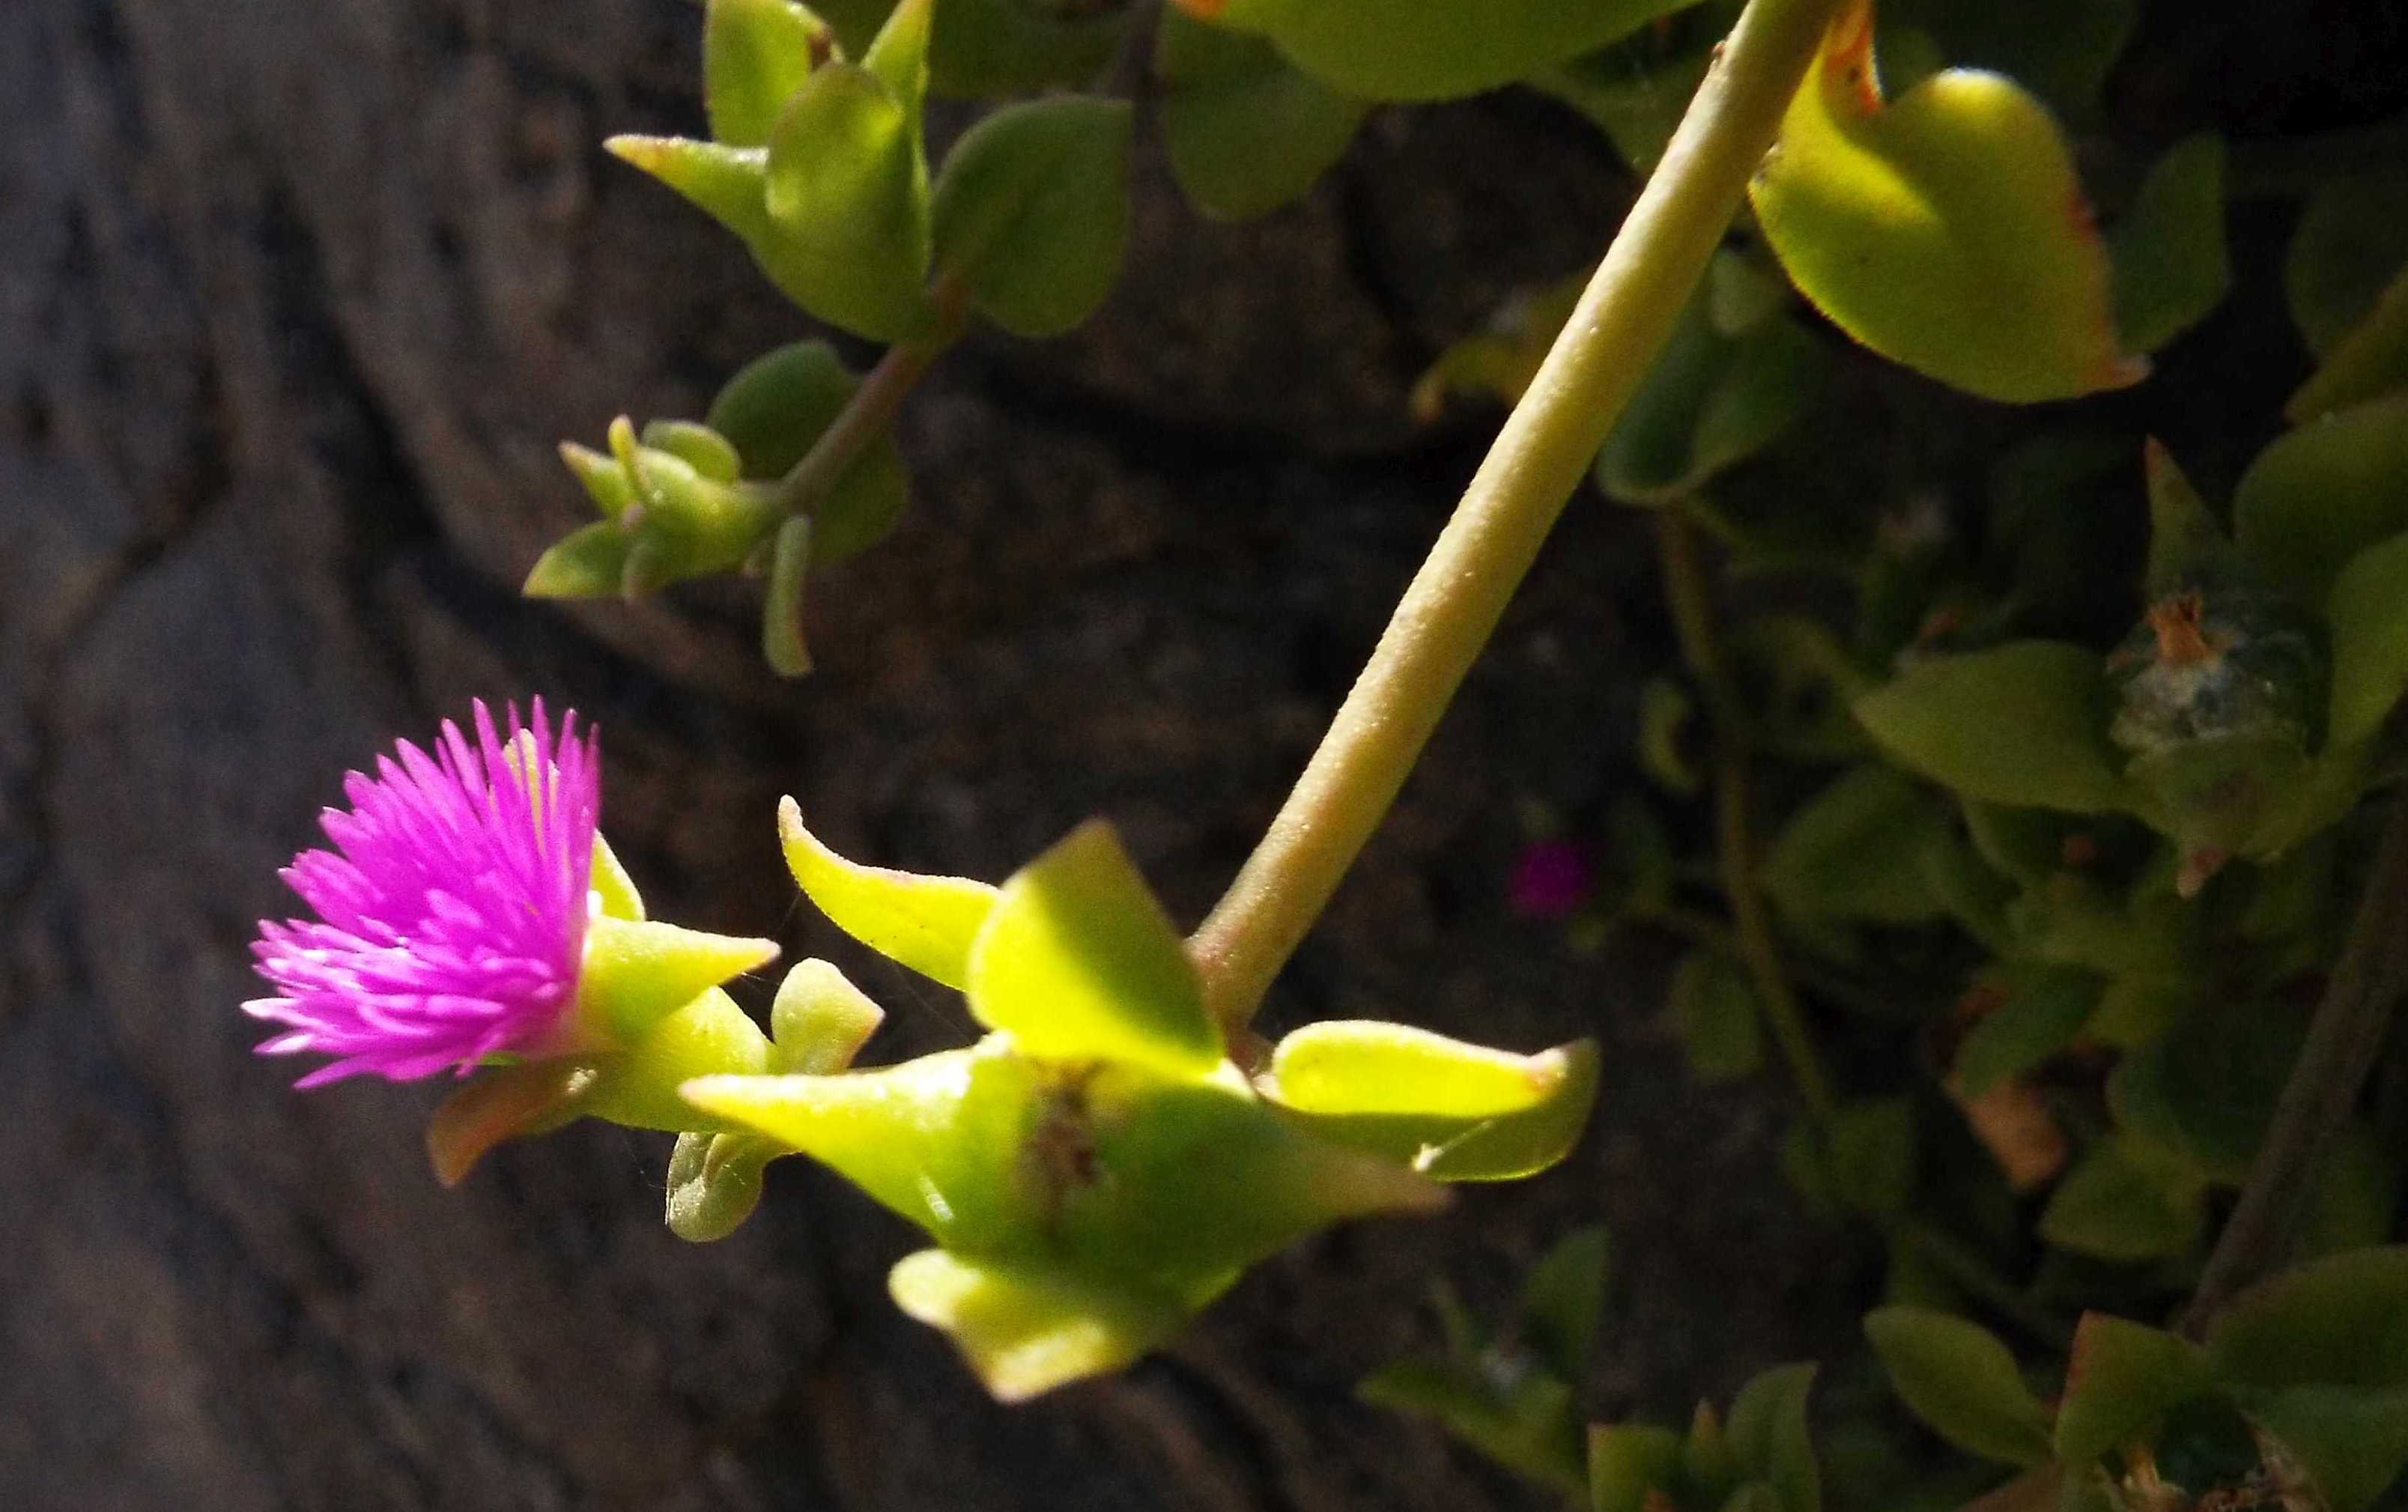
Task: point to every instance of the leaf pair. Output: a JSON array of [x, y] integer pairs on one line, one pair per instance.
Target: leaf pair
[[818, 165]]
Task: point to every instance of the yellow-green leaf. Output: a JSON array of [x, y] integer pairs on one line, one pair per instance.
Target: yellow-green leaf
[[2369, 616], [925, 922], [2370, 359], [1945, 230], [1960, 1379], [1452, 1111], [1027, 1330], [756, 54], [1078, 963], [2121, 1377]]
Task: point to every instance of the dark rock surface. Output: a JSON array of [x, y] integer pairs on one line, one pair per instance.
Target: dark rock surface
[[295, 300]]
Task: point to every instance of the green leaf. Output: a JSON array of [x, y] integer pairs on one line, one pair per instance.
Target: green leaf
[[1246, 132], [587, 562], [1530, 1425], [776, 408], [1026, 1330], [782, 644], [1424, 49], [820, 1020], [925, 922], [2321, 495], [714, 1183], [614, 890], [2126, 1202], [847, 192], [1563, 1298], [1077, 961], [1032, 211], [1956, 1376], [726, 184], [1713, 399], [638, 1086], [2341, 1320], [936, 1140], [1714, 1010], [2122, 1377], [2022, 724], [1770, 1440], [2352, 240], [2373, 358], [1945, 230], [756, 54], [2206, 1087], [1853, 851], [1628, 1461], [2369, 616], [2352, 1444], [697, 445], [990, 49], [2170, 263], [636, 971], [2045, 1008], [1871, 1155], [1452, 1111]]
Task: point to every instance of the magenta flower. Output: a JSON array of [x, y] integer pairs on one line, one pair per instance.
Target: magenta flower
[[452, 912], [1550, 877]]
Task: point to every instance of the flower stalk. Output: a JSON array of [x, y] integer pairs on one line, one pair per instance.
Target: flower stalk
[[1454, 604]]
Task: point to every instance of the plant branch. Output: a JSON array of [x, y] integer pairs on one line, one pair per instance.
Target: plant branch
[[2344, 1040], [1454, 602], [871, 410]]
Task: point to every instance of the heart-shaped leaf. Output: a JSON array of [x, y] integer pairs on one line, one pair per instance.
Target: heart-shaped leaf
[[2122, 1377], [776, 408], [1945, 230], [2321, 495]]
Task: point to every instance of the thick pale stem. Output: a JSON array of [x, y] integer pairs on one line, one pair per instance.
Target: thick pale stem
[[1454, 602], [2344, 1040]]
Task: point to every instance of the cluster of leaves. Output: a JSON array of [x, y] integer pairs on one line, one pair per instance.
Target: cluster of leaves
[[2062, 882], [1095, 1168]]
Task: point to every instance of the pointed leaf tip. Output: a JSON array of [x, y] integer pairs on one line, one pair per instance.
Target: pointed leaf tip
[[926, 923], [1077, 961], [1025, 1330], [635, 972]]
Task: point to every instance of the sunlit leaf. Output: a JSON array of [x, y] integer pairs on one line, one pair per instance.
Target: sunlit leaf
[[1956, 1376], [714, 1184], [1452, 1111], [1945, 230], [635, 971], [756, 54], [1246, 131], [820, 1020], [1077, 961], [1026, 1329], [926, 923]]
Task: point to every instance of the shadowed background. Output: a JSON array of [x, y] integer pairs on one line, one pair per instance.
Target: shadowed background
[[294, 300]]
